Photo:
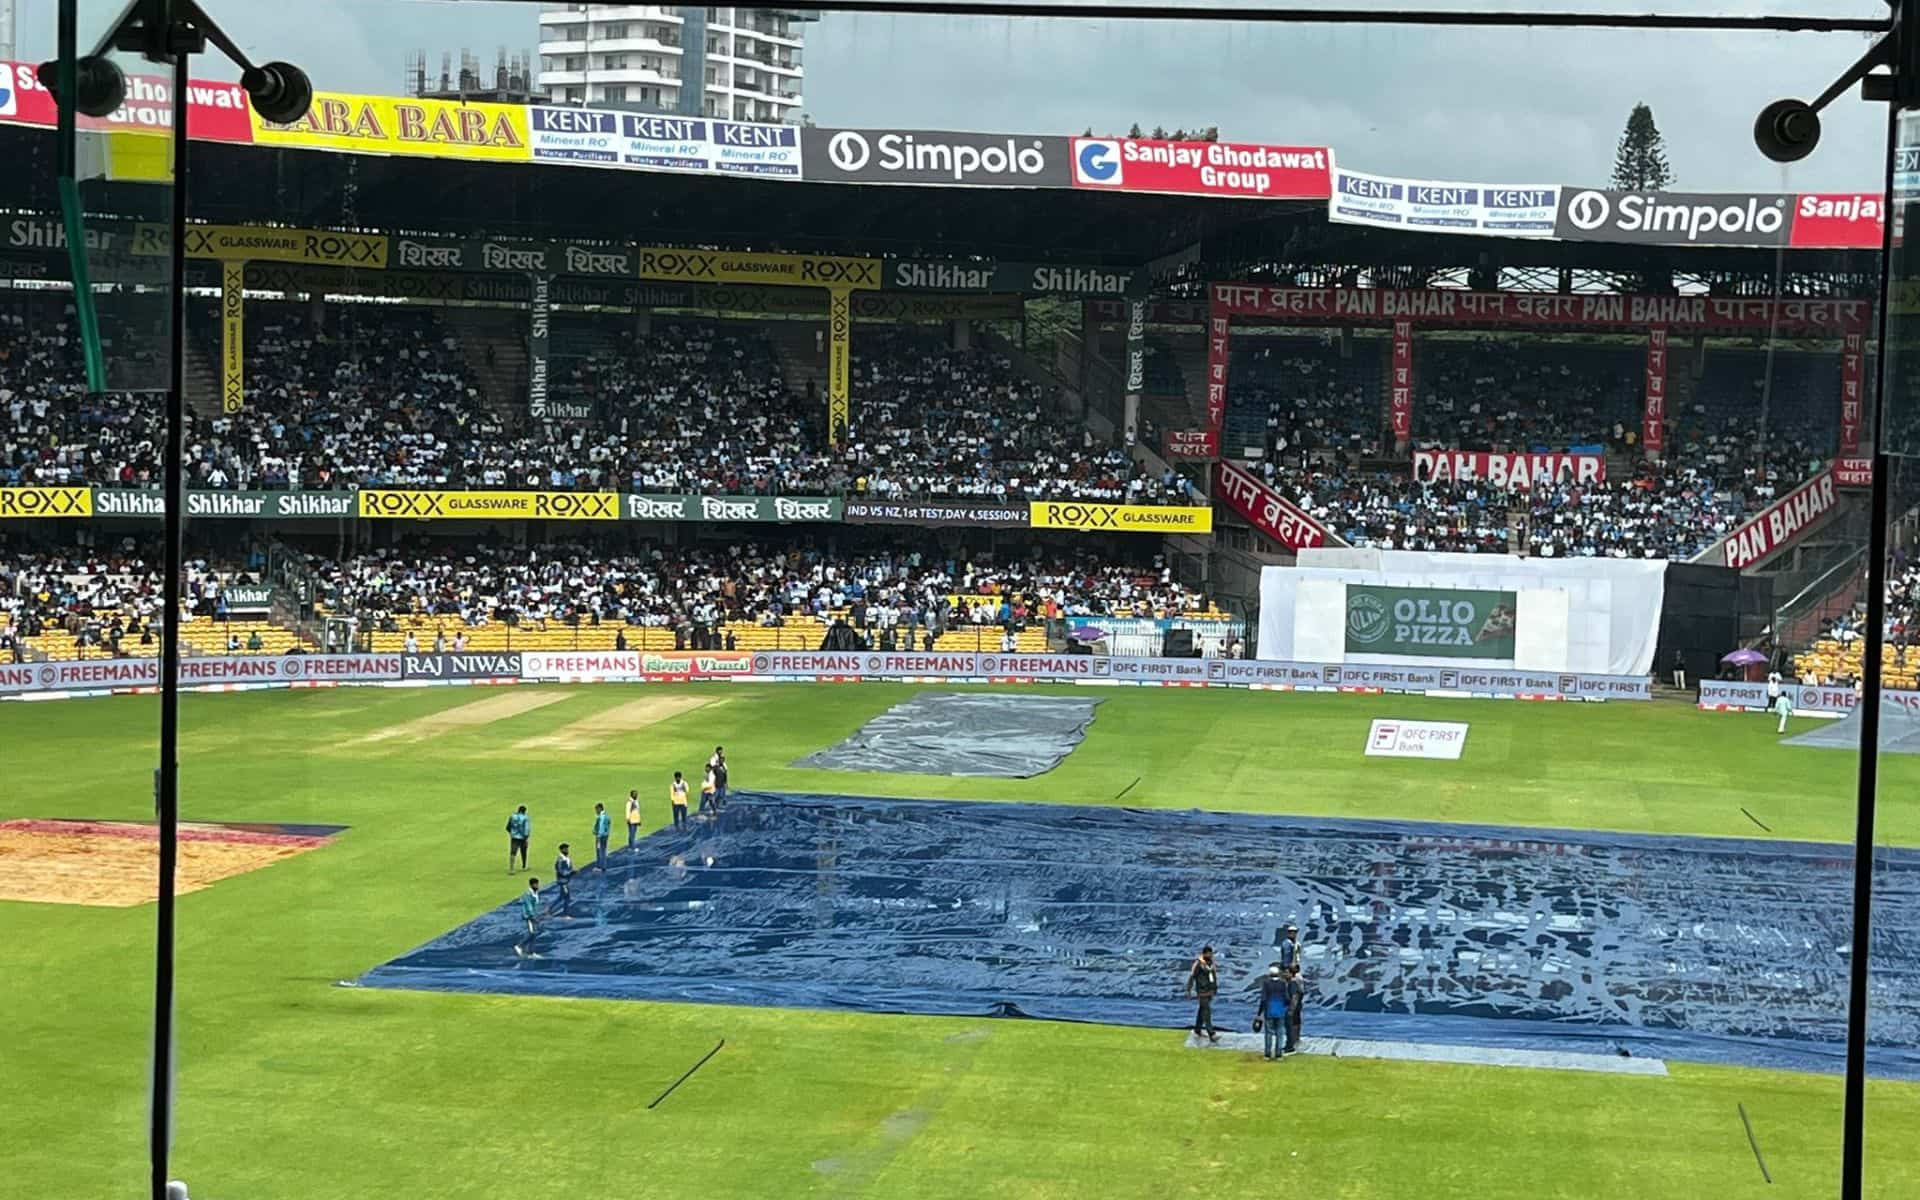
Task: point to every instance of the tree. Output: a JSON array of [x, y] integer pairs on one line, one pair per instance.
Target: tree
[[1640, 162], [1209, 133]]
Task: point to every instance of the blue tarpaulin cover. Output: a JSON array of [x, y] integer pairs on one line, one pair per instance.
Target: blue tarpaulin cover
[[1713, 950], [964, 733]]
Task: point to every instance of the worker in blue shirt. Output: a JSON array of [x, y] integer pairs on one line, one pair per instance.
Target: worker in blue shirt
[[563, 875], [1270, 1012], [1289, 947], [519, 829], [529, 913], [602, 829]]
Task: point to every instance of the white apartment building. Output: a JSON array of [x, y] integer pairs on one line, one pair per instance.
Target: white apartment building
[[740, 64]]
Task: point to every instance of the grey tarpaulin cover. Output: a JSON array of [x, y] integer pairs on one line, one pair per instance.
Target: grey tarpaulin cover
[[964, 733], [1698, 949], [1899, 729]]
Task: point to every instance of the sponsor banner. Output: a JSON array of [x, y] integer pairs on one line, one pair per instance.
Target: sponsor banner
[[287, 505], [839, 365], [116, 673], [896, 308], [1219, 362], [695, 664], [469, 130], [539, 319], [249, 242], [1839, 221], [1852, 392], [914, 274], [37, 503], [216, 111], [1185, 444], [479, 665], [1674, 218], [585, 666], [429, 254], [501, 288], [1416, 739], [1118, 518], [1136, 355], [1430, 622], [1653, 413], [615, 139], [1400, 386], [1511, 471], [735, 266], [935, 158], [935, 514], [1434, 206], [1853, 473], [129, 502], [1805, 698], [1267, 510], [247, 597], [233, 353], [1444, 306], [810, 509], [1776, 525], [384, 504], [1203, 168], [769, 151]]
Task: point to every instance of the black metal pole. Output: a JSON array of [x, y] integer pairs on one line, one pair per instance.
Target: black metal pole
[[168, 792], [1853, 1114]]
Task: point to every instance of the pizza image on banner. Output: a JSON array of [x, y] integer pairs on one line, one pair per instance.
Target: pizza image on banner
[[1430, 622]]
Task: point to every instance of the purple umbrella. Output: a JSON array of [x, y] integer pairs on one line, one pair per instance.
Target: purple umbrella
[[1089, 633], [1741, 658]]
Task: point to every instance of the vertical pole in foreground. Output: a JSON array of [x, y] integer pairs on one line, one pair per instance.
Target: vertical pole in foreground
[[1853, 1116], [168, 792]]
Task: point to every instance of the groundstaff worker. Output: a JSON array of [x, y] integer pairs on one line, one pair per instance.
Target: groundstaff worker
[[1203, 982], [519, 829], [529, 913], [1270, 1012]]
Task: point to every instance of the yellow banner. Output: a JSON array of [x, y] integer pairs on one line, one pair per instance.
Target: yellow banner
[[482, 506], [739, 266], [233, 363], [31, 503], [1119, 518], [405, 125], [839, 362], [267, 244]]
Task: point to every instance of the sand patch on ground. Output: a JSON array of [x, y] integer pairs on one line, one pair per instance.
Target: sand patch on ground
[[471, 715], [112, 864], [630, 717]]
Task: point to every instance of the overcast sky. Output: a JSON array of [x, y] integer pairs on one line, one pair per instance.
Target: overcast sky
[[1504, 106]]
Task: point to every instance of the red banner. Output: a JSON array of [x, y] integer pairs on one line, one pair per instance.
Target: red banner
[[1853, 473], [1512, 471], [1191, 444], [1774, 527], [216, 112], [1203, 168], [1267, 510], [1653, 419], [1838, 220], [1400, 391], [1219, 332], [1438, 306], [1852, 371]]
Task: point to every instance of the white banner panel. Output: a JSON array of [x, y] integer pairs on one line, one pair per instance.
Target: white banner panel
[[1540, 630], [1416, 739], [1613, 604], [583, 665]]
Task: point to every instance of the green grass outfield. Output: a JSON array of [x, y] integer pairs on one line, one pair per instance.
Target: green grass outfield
[[292, 1088]]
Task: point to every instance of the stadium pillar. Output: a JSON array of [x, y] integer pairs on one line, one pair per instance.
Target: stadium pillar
[[642, 322], [960, 334]]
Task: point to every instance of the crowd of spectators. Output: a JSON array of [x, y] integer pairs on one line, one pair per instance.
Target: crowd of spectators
[[103, 597], [693, 588], [383, 396]]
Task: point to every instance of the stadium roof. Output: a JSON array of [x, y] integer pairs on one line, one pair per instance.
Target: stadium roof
[[1225, 238]]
